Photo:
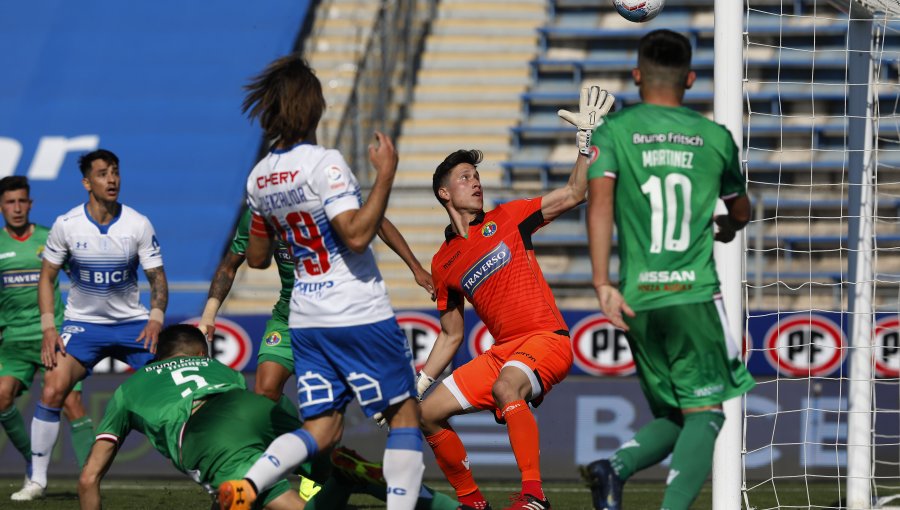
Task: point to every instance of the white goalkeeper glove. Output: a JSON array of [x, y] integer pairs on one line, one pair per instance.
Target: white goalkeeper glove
[[593, 105], [423, 382]]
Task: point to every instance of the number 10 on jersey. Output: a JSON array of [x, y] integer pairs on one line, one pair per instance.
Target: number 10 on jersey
[[664, 208]]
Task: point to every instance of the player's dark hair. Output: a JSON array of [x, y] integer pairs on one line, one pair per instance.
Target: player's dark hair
[[442, 173], [287, 100], [180, 339], [664, 58], [13, 183], [84, 162]]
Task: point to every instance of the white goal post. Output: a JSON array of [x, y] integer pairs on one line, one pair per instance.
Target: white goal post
[[866, 21]]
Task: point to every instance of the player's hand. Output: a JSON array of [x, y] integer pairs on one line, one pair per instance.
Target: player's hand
[[593, 105], [613, 305], [150, 335], [208, 329], [724, 233], [380, 420], [423, 382], [383, 155], [49, 344], [423, 278]]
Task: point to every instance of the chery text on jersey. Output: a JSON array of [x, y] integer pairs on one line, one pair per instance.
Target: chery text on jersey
[[298, 191]]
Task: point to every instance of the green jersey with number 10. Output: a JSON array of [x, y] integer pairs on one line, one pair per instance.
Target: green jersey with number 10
[[670, 166], [158, 399]]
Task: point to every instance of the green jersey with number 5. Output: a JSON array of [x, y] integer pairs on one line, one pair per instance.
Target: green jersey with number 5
[[670, 166], [158, 399]]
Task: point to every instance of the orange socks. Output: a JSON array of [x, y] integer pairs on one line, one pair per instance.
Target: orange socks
[[524, 439], [453, 460]]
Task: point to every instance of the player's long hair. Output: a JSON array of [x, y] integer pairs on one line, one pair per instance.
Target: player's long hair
[[287, 99], [442, 172], [182, 339], [664, 58]]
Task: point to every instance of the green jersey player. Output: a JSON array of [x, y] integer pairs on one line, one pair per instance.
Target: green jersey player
[[197, 413], [21, 247], [659, 169]]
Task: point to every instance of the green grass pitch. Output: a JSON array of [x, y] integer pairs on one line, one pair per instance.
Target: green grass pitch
[[183, 494]]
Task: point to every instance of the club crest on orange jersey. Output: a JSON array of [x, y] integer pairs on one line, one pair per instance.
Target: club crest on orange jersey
[[489, 229]]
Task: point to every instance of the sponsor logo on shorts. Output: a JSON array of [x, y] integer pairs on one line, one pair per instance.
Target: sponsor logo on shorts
[[72, 329], [525, 354], [489, 229], [273, 339], [484, 268]]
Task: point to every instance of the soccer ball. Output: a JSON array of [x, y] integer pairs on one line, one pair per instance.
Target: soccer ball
[[639, 11]]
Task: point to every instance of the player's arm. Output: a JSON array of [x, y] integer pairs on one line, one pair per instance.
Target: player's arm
[[218, 291], [261, 244], [395, 241], [357, 227], [562, 199], [593, 105], [445, 347], [737, 218], [600, 229], [98, 462], [159, 301], [46, 305]]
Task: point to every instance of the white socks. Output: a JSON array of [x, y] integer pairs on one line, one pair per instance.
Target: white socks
[[44, 431], [403, 468], [281, 457]]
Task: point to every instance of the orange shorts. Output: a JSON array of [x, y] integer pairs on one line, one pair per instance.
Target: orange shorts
[[545, 358]]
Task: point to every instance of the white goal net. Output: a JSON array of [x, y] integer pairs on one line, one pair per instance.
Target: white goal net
[[822, 266]]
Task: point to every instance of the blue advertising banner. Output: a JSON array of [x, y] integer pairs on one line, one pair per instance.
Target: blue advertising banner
[[786, 344], [158, 83]]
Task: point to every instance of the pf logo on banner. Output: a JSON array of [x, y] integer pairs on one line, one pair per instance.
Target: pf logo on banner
[[230, 345], [887, 347], [805, 345], [480, 340], [421, 330], [601, 348]]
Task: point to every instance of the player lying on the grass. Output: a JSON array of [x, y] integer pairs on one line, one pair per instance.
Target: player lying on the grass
[[346, 341], [21, 249], [662, 167], [103, 242], [488, 259], [197, 413]]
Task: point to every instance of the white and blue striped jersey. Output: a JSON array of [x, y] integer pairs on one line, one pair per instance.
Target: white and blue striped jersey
[[297, 192], [103, 262]]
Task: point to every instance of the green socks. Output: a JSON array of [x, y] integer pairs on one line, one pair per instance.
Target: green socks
[[82, 438], [15, 428], [653, 443], [692, 459], [429, 499], [335, 494]]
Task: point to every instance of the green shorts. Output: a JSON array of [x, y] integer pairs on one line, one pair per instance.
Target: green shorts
[[21, 359], [684, 358], [223, 439], [276, 344]]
